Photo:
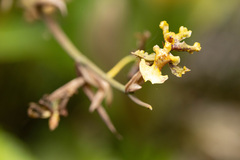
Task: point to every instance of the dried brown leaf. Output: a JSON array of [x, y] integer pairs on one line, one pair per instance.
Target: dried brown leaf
[[53, 105], [88, 75], [134, 83], [107, 91], [139, 102], [93, 79], [67, 90], [38, 111], [97, 100], [54, 121], [102, 113]]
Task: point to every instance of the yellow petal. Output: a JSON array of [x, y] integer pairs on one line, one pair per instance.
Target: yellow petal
[[175, 60], [144, 55], [178, 71], [183, 33], [197, 46], [151, 73], [164, 26], [183, 46], [156, 49]]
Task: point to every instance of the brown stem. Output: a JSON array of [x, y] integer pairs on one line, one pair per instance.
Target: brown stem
[[75, 54]]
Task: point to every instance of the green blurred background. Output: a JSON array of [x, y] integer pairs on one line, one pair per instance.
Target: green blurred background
[[196, 117]]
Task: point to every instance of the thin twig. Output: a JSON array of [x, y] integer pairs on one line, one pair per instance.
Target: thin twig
[[75, 54]]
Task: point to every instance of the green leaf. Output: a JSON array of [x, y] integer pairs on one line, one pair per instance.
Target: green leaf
[[12, 148]]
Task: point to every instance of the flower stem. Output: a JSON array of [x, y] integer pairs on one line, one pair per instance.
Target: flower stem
[[123, 62], [76, 55]]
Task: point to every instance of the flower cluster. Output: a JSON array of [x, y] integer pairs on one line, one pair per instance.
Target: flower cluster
[[95, 83], [150, 65]]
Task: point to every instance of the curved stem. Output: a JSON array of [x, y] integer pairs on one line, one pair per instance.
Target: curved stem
[[123, 62], [139, 102], [75, 54]]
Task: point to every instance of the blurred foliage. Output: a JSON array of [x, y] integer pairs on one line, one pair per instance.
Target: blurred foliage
[[187, 112], [12, 148]]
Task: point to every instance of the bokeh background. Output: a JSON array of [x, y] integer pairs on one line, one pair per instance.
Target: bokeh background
[[196, 117]]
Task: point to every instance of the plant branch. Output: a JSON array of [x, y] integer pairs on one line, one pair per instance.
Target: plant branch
[[75, 54]]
